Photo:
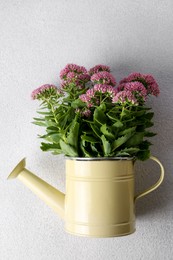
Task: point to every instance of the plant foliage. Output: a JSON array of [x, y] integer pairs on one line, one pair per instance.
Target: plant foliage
[[88, 117]]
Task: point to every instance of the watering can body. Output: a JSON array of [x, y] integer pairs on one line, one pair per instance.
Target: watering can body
[[99, 200], [99, 197]]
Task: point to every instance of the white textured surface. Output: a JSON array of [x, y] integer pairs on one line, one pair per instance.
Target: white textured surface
[[37, 39]]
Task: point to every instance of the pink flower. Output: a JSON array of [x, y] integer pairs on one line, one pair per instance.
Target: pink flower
[[41, 90], [152, 87], [103, 77], [71, 75], [135, 87], [86, 113], [146, 79], [88, 98], [131, 77], [83, 77], [124, 96], [85, 98], [99, 92], [72, 68], [98, 68], [103, 88], [90, 93], [74, 74]]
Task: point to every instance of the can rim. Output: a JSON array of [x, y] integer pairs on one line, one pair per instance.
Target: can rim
[[100, 158]]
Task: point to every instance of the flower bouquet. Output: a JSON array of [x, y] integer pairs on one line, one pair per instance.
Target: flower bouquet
[[87, 116]]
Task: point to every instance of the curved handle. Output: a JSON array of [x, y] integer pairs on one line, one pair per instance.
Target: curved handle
[[157, 184]]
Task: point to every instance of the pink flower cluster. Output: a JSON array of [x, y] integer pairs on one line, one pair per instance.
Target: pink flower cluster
[[86, 112], [103, 88], [125, 96], [136, 88], [98, 68], [73, 73], [72, 68], [103, 77], [91, 97], [41, 90], [147, 80], [132, 90], [103, 82]]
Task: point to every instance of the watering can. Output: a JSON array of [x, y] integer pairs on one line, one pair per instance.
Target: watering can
[[99, 199]]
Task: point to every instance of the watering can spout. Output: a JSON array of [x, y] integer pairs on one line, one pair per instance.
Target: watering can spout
[[50, 195]]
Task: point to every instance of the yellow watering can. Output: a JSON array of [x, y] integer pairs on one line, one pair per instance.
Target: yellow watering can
[[99, 200]]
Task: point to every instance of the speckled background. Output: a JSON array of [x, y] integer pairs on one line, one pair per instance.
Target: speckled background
[[37, 39]]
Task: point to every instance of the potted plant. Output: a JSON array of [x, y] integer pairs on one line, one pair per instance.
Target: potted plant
[[102, 130], [88, 117]]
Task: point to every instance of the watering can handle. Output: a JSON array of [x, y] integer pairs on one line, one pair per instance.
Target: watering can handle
[[157, 184]]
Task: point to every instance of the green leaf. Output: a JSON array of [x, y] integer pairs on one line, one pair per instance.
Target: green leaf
[[128, 151], [85, 152], [121, 140], [131, 150], [128, 130], [78, 103], [148, 124], [144, 145], [106, 146], [95, 150], [118, 124], [65, 117], [105, 130], [52, 137], [39, 119], [121, 153], [89, 139], [111, 116], [103, 107], [136, 139], [149, 116], [52, 128], [68, 149], [39, 123], [143, 155], [51, 117], [149, 134], [138, 113], [57, 151], [50, 147], [99, 116], [50, 123], [72, 137], [44, 113], [96, 130]]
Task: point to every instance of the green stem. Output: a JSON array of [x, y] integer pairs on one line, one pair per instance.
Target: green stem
[[103, 99], [122, 112], [52, 109]]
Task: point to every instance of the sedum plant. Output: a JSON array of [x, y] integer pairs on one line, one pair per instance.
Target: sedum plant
[[87, 116]]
